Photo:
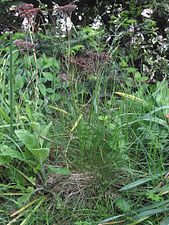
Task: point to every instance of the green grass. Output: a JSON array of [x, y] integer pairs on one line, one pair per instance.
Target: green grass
[[81, 152]]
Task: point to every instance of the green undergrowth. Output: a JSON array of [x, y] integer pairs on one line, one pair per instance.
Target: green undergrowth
[[91, 148]]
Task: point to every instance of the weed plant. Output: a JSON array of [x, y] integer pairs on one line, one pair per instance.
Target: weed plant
[[81, 144]]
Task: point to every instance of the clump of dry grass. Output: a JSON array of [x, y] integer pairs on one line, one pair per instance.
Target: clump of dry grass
[[73, 186], [81, 188]]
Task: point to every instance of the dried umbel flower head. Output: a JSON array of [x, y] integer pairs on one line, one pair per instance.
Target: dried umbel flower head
[[101, 57], [67, 9], [91, 61], [63, 77], [24, 45], [27, 10], [167, 117]]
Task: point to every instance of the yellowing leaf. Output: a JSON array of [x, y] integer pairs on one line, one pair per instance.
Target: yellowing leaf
[[131, 97]]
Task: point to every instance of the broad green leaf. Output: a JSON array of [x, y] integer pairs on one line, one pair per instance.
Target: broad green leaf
[[48, 76], [12, 153], [40, 154], [123, 205], [29, 140], [4, 115], [29, 112], [77, 48], [162, 93], [19, 82], [131, 70], [44, 133], [42, 89], [63, 171], [50, 90], [49, 62], [15, 55]]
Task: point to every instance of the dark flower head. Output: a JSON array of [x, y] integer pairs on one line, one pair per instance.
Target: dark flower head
[[91, 61], [67, 9], [63, 77], [24, 45], [27, 10], [25, 6]]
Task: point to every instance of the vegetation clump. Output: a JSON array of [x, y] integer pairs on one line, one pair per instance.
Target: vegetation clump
[[84, 112]]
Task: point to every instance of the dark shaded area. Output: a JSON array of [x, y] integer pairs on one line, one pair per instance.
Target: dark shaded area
[[89, 8], [105, 9]]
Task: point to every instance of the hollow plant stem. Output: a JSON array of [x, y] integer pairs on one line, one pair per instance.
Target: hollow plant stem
[[11, 102]]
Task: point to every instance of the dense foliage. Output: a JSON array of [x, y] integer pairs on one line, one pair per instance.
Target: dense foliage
[[84, 112]]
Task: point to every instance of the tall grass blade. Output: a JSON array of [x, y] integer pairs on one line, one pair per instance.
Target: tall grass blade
[[138, 221], [24, 208], [25, 221], [156, 120], [165, 222], [154, 206], [139, 182], [151, 212], [113, 220], [135, 184], [77, 122]]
